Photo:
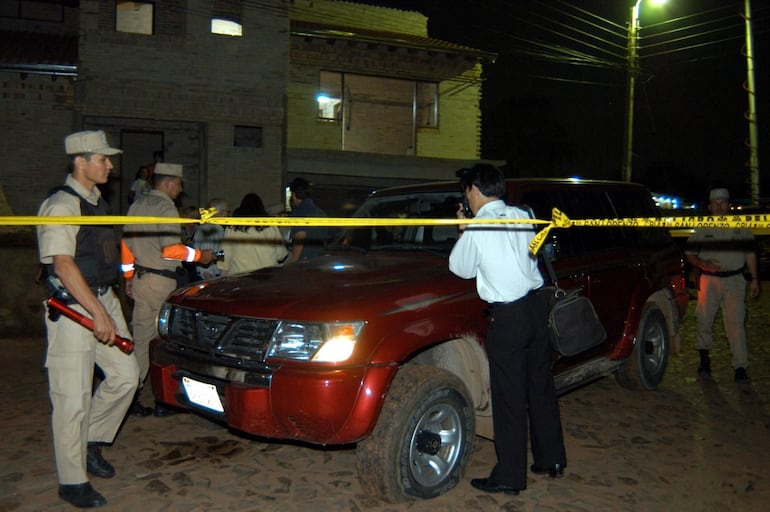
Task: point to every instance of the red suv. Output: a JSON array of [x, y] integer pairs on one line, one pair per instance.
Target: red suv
[[377, 343]]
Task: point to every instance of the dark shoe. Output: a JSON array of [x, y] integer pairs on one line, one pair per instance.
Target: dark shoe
[[95, 463], [489, 485], [704, 370], [137, 409], [741, 375], [161, 410], [81, 495], [555, 471]]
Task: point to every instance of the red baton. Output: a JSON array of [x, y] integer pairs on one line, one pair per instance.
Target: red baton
[[122, 343]]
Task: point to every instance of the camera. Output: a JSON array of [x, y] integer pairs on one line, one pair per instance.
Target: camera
[[467, 208], [466, 179]]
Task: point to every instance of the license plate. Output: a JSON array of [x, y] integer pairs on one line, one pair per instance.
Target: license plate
[[202, 394]]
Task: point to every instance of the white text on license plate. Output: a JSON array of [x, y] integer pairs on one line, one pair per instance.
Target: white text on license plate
[[203, 394]]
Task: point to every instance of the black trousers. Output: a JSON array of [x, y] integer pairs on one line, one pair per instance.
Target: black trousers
[[522, 388]]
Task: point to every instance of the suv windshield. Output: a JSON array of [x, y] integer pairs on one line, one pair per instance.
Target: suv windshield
[[427, 205]]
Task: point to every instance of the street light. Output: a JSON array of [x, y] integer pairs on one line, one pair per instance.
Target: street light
[[633, 70]]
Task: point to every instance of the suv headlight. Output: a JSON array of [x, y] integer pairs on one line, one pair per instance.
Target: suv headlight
[[163, 319], [315, 341]]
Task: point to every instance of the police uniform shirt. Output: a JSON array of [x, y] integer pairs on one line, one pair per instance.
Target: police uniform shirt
[[728, 247], [56, 240], [147, 241]]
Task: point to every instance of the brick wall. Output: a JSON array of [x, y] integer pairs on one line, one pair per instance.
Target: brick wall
[[36, 112], [195, 87], [190, 75]]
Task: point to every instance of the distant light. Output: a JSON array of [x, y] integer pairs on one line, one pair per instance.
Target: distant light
[[667, 202]]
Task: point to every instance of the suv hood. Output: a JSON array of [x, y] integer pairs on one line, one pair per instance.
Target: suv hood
[[359, 284]]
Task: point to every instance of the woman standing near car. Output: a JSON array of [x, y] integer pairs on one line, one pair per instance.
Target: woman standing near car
[[249, 248]]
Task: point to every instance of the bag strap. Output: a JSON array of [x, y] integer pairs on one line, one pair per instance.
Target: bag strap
[[545, 258], [549, 267]]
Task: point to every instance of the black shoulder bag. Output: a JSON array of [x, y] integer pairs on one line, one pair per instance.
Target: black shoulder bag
[[572, 322]]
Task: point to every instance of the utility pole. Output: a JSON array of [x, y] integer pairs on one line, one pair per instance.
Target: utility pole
[[633, 69], [751, 115]]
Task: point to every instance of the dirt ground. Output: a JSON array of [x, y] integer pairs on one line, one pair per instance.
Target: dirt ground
[[693, 445]]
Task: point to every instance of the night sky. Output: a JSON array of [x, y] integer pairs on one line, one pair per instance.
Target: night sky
[[554, 101]]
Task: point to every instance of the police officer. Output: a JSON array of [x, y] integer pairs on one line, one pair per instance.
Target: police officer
[[721, 256], [151, 257], [84, 260]]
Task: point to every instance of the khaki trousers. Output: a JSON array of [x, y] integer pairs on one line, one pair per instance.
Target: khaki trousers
[[729, 293], [150, 291], [81, 414]]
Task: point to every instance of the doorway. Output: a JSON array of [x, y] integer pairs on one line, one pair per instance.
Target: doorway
[[139, 147]]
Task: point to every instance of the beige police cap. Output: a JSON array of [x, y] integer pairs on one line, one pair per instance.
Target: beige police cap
[[719, 193], [89, 142], [168, 169]]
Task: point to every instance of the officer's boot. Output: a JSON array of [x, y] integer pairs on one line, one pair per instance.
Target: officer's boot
[[704, 370]]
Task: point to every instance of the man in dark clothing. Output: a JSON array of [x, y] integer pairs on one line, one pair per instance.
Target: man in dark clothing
[[307, 242]]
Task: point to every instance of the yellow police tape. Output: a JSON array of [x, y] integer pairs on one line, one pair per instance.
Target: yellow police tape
[[679, 226]]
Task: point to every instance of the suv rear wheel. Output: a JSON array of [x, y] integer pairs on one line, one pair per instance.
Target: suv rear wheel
[[423, 438], [645, 367]]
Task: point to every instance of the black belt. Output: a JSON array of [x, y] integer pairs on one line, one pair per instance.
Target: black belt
[[140, 270], [64, 296], [529, 294], [726, 273]]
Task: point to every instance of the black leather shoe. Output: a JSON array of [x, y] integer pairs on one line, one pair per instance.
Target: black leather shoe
[[741, 375], [161, 410], [95, 463], [555, 471], [137, 409], [81, 495], [489, 485]]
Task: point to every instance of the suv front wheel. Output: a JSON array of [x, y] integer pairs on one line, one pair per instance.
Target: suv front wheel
[[645, 367], [423, 438]]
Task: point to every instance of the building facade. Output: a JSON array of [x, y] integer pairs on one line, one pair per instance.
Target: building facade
[[246, 95]]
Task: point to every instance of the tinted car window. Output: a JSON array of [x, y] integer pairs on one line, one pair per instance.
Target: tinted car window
[[630, 203], [577, 203], [590, 203], [427, 205]]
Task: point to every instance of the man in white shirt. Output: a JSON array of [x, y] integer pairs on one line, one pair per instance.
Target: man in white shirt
[[518, 345]]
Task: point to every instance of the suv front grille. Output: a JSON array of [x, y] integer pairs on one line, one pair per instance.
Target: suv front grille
[[239, 339]]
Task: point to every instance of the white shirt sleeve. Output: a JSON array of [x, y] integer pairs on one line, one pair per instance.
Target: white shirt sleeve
[[465, 257]]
